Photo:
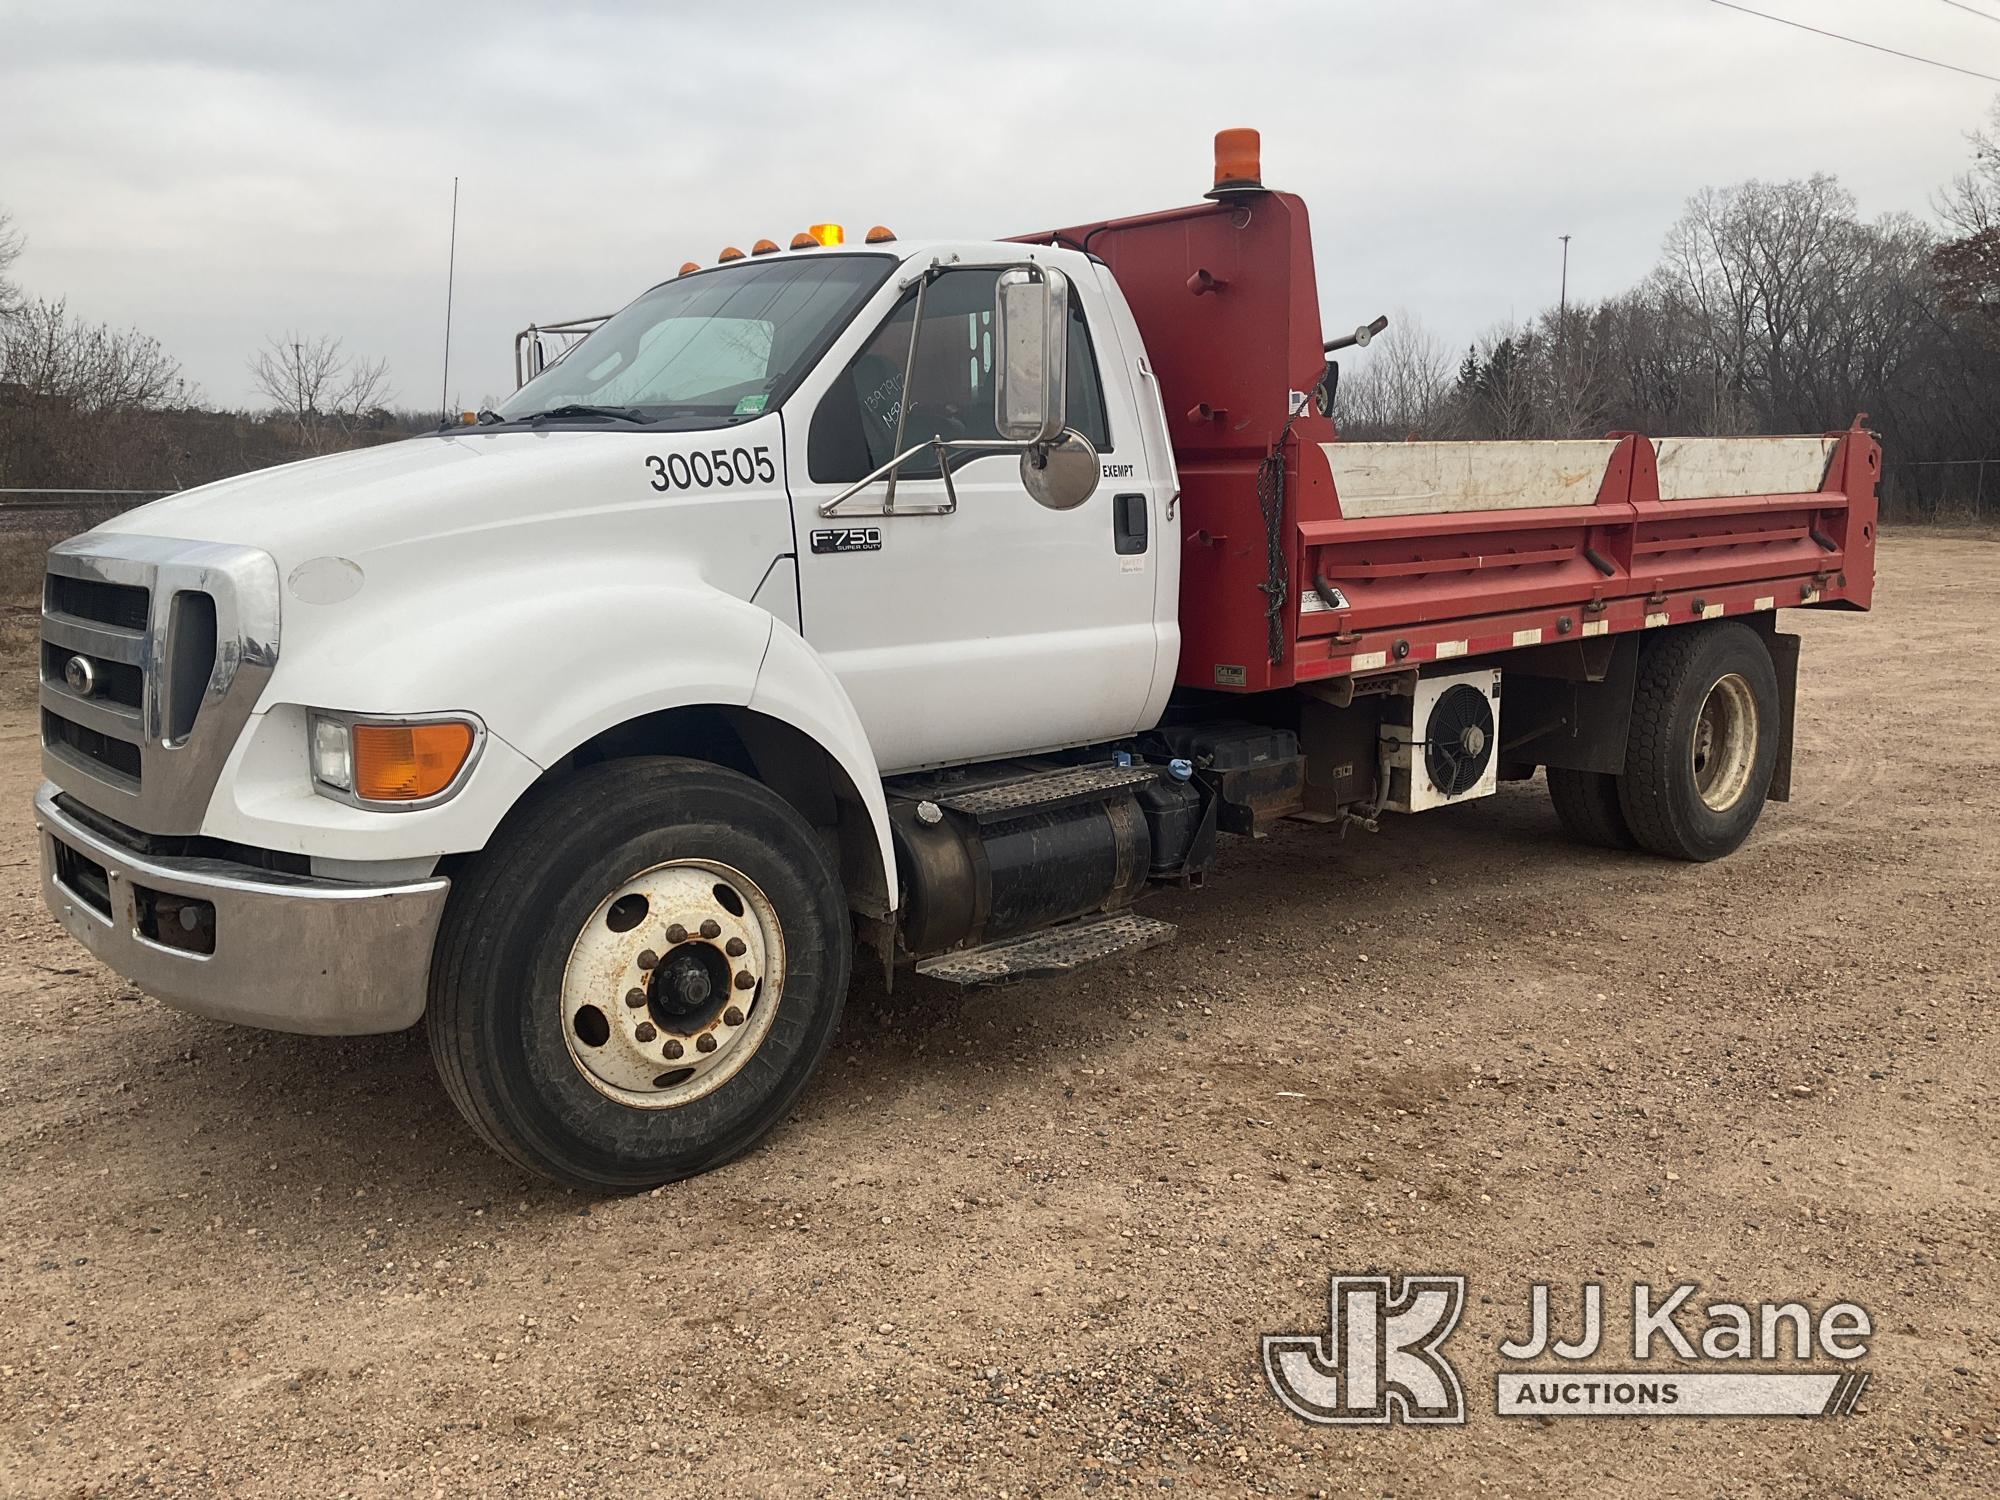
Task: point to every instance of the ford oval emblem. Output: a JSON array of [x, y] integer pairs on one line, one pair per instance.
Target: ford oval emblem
[[81, 676]]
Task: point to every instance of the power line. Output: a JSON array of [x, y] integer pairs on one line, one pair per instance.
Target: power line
[[1972, 10], [1856, 41]]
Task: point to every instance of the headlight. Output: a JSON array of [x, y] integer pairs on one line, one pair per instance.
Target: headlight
[[390, 762], [332, 754]]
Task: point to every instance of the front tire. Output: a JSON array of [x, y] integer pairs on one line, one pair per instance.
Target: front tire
[[1704, 741], [639, 975]]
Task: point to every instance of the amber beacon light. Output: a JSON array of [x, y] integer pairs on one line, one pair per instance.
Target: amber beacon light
[[1237, 165]]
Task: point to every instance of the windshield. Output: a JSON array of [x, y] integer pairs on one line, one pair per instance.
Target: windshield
[[708, 348]]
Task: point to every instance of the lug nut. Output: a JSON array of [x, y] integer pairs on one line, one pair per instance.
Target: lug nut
[[675, 1049], [733, 1016], [649, 959], [746, 980], [645, 1033], [635, 997], [711, 928], [677, 933], [734, 947], [705, 1042]]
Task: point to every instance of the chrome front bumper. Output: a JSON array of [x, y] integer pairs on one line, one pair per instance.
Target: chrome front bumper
[[290, 952]]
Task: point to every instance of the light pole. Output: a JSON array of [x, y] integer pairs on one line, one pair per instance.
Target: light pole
[[1562, 330]]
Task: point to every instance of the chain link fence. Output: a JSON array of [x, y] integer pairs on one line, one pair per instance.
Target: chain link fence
[[1942, 492]]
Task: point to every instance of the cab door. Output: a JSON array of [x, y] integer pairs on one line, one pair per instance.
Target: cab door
[[1000, 627]]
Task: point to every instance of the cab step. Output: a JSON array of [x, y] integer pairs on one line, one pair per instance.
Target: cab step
[[1045, 791], [1055, 950]]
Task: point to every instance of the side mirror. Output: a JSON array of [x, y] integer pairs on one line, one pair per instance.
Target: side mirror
[[1031, 333], [1063, 474]]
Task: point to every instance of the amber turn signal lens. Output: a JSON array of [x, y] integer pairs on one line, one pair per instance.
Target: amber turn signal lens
[[408, 762], [881, 234]]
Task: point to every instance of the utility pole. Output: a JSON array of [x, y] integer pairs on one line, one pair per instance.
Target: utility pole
[[450, 273], [1562, 329]]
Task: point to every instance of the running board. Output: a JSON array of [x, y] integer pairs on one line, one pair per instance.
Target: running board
[[1054, 950], [1046, 791]]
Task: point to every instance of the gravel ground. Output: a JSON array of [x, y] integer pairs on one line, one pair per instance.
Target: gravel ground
[[1025, 1242]]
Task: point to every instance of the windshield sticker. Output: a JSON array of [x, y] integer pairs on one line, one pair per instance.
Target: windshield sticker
[[749, 406]]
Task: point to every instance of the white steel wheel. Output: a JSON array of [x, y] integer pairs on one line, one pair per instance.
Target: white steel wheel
[[673, 984], [1724, 749], [624, 910]]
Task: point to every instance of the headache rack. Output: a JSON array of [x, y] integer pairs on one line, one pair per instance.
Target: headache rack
[[541, 345]]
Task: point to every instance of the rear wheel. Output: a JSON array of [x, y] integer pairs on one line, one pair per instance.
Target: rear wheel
[[638, 976], [1704, 741], [1587, 805]]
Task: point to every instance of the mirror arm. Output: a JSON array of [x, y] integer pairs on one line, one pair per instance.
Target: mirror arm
[[942, 447], [903, 400]]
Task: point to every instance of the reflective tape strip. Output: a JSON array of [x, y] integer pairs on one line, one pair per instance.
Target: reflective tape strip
[[1528, 637], [1596, 627], [1368, 661], [1450, 648]]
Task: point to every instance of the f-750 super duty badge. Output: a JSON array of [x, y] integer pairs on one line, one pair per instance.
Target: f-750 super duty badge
[[848, 539]]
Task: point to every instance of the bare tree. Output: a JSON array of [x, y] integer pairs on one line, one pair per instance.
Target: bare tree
[[1970, 202], [324, 391], [89, 368], [12, 242], [1401, 388]]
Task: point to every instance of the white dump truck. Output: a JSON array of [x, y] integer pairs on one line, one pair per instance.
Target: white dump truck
[[933, 600]]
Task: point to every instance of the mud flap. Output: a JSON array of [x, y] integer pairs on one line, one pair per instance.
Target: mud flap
[[1785, 659]]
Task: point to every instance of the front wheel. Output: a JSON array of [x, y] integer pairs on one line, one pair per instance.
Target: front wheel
[[637, 978], [1704, 741]]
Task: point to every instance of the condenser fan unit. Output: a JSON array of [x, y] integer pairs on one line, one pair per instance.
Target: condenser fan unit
[[1458, 739]]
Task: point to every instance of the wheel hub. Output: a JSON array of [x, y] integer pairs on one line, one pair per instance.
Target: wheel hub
[[673, 983], [1724, 749]]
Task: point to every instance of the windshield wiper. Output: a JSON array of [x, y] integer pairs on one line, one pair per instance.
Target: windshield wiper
[[615, 413]]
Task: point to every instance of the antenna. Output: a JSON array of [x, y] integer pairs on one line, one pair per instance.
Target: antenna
[[450, 276]]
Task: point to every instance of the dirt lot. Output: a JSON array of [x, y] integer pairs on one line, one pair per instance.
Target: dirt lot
[[1025, 1242]]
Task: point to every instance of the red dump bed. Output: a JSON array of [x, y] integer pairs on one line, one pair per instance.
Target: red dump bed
[[1441, 550]]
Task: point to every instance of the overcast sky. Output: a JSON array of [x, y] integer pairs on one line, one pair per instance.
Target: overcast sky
[[217, 173]]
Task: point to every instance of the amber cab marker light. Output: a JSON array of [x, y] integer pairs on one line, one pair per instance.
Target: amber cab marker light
[[408, 762], [468, 419], [829, 234], [690, 265], [881, 234], [730, 252], [1238, 168], [764, 247], [803, 241]]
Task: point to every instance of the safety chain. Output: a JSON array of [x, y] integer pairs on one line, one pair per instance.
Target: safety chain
[[1271, 496]]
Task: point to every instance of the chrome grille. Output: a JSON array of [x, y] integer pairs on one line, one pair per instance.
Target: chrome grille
[[153, 654]]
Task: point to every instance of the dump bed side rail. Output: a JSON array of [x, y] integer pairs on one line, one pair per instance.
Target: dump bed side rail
[[1427, 583]]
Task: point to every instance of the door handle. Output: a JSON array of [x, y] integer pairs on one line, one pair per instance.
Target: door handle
[[1128, 524]]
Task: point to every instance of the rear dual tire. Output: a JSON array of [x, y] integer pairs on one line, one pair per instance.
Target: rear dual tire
[[1700, 754]]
